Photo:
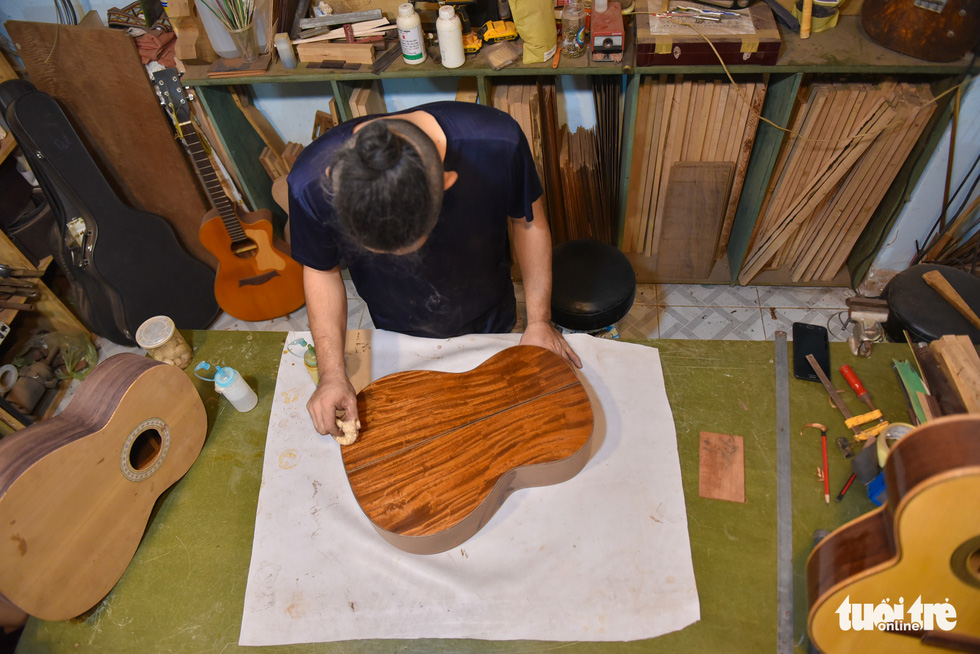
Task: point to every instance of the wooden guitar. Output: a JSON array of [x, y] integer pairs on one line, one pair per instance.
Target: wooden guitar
[[922, 547], [439, 452], [256, 279], [76, 490], [934, 30]]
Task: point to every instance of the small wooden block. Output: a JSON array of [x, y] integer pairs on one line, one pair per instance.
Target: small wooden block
[[722, 467]]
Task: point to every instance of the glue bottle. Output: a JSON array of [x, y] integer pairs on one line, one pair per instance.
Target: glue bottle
[[228, 382], [450, 32], [410, 34]]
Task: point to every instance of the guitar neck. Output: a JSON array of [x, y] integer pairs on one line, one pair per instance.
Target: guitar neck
[[212, 185]]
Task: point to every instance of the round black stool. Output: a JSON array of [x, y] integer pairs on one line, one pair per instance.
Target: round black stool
[[915, 306], [593, 285]]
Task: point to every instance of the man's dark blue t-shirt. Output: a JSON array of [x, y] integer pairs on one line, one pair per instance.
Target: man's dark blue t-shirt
[[459, 281]]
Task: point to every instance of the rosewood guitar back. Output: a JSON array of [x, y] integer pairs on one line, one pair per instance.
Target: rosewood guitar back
[[439, 452]]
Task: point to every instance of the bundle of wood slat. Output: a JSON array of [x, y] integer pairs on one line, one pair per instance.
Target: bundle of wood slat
[[524, 102], [585, 214], [689, 120], [958, 359], [847, 144], [607, 94]]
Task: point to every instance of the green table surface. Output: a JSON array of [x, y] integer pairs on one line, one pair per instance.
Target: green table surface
[[185, 588]]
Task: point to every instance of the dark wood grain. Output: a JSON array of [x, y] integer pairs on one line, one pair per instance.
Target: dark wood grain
[[439, 452]]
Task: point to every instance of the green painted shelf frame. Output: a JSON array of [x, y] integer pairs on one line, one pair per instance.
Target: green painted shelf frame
[[843, 51]]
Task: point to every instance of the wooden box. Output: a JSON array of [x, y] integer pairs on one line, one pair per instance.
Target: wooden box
[[751, 39]]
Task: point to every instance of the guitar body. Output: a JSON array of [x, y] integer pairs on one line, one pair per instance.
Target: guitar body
[[76, 490], [922, 545], [125, 265], [259, 283], [438, 453], [934, 30]]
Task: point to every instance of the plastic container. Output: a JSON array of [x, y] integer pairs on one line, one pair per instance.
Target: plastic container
[[161, 340], [574, 33], [228, 382], [410, 36], [285, 49], [449, 29], [221, 40]]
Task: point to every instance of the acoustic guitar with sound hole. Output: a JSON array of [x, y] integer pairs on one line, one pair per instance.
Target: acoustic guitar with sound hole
[[438, 452], [77, 489], [256, 279], [906, 577]]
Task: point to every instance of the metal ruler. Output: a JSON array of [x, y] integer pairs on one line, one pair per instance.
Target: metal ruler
[[784, 501]]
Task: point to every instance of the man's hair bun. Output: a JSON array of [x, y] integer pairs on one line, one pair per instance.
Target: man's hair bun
[[378, 148]]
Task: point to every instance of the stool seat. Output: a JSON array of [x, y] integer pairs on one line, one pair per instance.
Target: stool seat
[[916, 307], [593, 285]]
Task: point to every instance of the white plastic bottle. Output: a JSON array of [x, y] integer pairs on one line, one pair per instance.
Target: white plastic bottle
[[410, 34], [229, 383], [449, 29]]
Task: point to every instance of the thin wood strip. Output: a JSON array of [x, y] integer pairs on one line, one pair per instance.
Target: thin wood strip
[[675, 142], [741, 167], [639, 164]]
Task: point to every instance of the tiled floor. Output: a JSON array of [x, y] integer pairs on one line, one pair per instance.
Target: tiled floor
[[683, 311]]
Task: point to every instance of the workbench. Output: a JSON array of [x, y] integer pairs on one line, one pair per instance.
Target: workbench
[[185, 588]]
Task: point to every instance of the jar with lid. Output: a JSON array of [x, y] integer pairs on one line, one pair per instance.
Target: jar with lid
[[574, 31], [161, 340]]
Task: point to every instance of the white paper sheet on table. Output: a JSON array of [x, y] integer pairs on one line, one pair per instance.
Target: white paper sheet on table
[[602, 557]]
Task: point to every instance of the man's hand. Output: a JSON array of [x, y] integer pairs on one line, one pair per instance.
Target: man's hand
[[542, 334], [334, 394]]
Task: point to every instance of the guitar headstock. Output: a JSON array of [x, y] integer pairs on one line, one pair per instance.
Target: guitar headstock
[[172, 96]]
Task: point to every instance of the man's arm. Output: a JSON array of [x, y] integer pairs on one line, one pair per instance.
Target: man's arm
[[326, 307], [532, 245]]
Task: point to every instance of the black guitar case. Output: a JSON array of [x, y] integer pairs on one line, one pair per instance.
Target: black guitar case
[[124, 265]]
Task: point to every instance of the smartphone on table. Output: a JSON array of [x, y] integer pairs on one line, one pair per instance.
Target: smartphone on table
[[810, 339]]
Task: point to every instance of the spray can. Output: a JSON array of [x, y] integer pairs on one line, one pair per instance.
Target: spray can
[[228, 382], [410, 36], [450, 33]]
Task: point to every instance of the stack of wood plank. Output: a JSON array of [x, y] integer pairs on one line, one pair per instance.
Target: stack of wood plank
[[846, 145], [522, 100], [366, 99], [694, 136], [579, 200], [958, 359]]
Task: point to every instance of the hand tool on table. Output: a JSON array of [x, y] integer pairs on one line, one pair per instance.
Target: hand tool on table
[[826, 471], [852, 422]]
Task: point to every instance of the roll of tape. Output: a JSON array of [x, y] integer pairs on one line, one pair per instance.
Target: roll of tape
[[889, 437], [8, 377]]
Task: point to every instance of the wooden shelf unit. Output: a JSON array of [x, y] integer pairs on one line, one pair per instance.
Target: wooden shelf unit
[[49, 314], [843, 50]]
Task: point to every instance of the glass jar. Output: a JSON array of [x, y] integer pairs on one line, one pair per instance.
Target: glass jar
[[161, 340], [574, 32]]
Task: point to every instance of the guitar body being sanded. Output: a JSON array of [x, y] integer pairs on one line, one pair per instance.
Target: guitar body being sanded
[[438, 453], [77, 489], [920, 552]]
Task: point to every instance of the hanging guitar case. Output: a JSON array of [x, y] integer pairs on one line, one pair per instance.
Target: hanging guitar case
[[124, 265]]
